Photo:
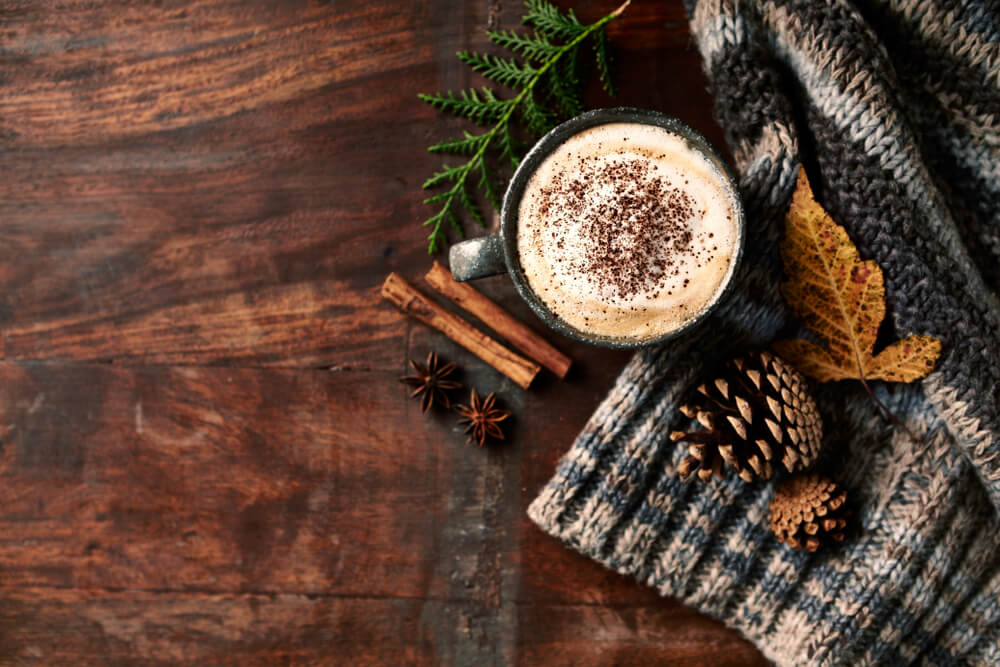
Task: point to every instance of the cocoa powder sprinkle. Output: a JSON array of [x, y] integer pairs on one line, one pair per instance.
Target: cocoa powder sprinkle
[[630, 235]]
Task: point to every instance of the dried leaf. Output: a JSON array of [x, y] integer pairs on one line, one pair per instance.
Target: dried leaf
[[841, 299]]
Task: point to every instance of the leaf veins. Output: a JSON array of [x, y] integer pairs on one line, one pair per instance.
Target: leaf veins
[[841, 300]]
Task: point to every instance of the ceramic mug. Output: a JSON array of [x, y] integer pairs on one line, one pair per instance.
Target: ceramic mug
[[492, 255]]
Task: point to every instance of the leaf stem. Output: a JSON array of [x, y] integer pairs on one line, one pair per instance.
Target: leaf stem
[[618, 12], [888, 414], [459, 183]]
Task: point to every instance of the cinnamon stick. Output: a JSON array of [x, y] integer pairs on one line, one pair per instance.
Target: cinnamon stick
[[406, 297], [498, 319]]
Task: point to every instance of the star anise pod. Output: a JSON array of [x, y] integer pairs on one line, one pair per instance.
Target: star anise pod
[[430, 382], [482, 418]]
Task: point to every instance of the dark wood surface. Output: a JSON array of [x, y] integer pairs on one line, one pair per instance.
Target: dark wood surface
[[205, 456]]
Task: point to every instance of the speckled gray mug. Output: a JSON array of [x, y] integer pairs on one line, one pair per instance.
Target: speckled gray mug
[[492, 255]]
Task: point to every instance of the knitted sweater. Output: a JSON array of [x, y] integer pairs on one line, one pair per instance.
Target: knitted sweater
[[893, 106]]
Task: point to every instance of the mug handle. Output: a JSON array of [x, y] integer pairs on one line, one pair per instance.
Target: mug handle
[[477, 258]]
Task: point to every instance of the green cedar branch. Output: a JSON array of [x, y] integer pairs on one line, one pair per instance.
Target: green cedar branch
[[486, 109]]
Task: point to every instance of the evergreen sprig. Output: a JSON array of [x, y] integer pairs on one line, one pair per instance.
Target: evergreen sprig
[[549, 88]]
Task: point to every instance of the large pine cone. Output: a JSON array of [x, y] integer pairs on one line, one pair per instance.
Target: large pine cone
[[758, 414], [809, 511]]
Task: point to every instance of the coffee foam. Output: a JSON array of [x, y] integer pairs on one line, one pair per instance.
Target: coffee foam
[[626, 232]]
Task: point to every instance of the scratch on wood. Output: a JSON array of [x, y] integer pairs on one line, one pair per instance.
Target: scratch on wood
[[363, 368], [37, 403], [138, 417], [493, 8]]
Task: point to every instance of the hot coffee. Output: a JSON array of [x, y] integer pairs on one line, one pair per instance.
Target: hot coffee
[[627, 232]]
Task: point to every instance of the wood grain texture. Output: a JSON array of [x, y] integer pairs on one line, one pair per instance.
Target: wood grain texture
[[100, 628], [205, 456], [632, 635]]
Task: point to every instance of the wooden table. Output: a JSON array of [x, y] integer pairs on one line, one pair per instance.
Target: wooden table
[[206, 456]]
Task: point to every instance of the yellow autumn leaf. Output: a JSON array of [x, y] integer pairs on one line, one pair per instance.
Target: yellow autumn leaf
[[841, 300]]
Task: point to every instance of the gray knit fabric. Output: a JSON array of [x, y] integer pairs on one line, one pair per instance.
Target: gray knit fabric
[[894, 109]]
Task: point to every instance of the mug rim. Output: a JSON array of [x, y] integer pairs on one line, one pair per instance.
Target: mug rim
[[550, 142]]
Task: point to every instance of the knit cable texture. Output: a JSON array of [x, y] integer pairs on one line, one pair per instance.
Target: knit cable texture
[[894, 108]]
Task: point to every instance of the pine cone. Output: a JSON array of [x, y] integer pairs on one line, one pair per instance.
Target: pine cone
[[808, 511], [757, 415]]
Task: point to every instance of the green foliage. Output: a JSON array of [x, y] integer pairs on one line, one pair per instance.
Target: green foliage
[[535, 48], [565, 88], [549, 86], [604, 62], [483, 108], [506, 72], [550, 22]]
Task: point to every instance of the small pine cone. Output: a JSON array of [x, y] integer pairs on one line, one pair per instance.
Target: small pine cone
[[758, 415], [808, 511]]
